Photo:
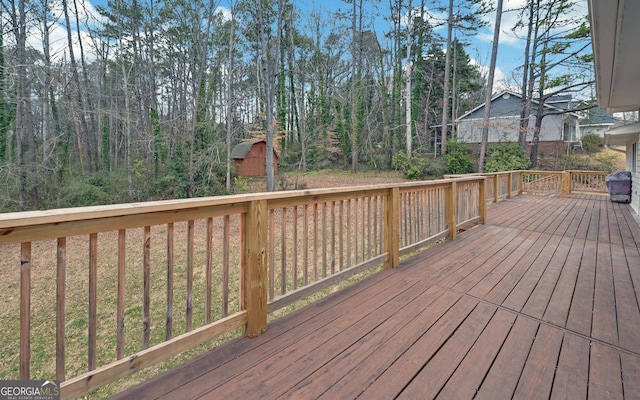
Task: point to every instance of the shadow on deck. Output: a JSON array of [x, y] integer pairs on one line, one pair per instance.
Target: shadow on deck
[[541, 302]]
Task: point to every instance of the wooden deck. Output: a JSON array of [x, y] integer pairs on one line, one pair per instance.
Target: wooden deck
[[541, 302]]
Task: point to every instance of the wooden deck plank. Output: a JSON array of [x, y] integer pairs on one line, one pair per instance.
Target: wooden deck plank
[[437, 266], [605, 377], [362, 374], [560, 302], [630, 375], [502, 378], [572, 373], [409, 364], [505, 268], [604, 326], [537, 376], [593, 232], [518, 296], [556, 217], [430, 379], [430, 303], [583, 229], [535, 304], [501, 281], [483, 263], [572, 218], [615, 234], [232, 359], [468, 377], [581, 310], [296, 363], [628, 313], [580, 209], [632, 255]]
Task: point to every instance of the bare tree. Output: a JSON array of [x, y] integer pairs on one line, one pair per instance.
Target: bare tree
[[492, 70]]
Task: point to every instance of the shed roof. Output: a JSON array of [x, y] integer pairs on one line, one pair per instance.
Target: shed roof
[[240, 151]]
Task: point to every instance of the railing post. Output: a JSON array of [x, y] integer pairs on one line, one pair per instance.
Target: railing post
[[392, 227], [483, 200], [255, 268], [509, 185], [496, 193], [451, 208], [566, 183]]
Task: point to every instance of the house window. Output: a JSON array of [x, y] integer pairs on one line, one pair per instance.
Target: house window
[[634, 157]]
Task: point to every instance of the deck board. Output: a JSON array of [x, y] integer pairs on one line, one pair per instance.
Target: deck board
[[541, 302]]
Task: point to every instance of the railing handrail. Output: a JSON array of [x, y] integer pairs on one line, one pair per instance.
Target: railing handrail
[[459, 201], [54, 216]]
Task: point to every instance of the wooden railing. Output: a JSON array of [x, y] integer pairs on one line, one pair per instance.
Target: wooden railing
[[503, 185], [102, 292]]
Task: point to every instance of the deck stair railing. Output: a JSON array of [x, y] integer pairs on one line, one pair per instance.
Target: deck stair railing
[[102, 292]]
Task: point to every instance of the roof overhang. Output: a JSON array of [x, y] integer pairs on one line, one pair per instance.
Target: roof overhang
[[622, 134], [615, 31]]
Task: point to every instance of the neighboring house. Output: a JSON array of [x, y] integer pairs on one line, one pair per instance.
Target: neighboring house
[[556, 132], [614, 33], [249, 158]]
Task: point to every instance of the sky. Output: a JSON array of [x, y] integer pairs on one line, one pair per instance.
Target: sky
[[510, 52]]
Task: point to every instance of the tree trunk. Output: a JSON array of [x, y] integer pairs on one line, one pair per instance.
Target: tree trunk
[[409, 92], [230, 99], [447, 74], [488, 96]]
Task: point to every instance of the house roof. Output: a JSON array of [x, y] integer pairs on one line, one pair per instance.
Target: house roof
[[614, 33], [598, 116], [595, 116], [551, 103]]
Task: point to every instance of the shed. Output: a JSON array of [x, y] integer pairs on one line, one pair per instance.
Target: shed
[[249, 158]]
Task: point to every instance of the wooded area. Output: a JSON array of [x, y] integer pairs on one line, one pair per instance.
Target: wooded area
[[147, 98]]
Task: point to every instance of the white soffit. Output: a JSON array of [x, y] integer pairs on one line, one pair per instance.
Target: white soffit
[[622, 134], [615, 30]]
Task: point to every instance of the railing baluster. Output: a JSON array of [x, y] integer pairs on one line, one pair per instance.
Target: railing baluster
[[340, 235], [226, 233], [25, 310], [122, 242], [208, 277], [272, 262], [170, 254], [283, 252], [349, 232], [93, 299], [294, 249], [324, 239], [146, 289], [361, 201], [61, 265], [315, 241], [190, 254], [333, 237], [305, 245]]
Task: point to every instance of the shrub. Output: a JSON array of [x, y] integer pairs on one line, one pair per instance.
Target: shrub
[[418, 167], [592, 143], [458, 157], [506, 156]]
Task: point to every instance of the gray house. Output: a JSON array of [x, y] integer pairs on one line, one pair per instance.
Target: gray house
[[614, 34], [557, 130]]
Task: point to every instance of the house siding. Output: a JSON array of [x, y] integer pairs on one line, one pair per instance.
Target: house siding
[[505, 129], [635, 174]]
